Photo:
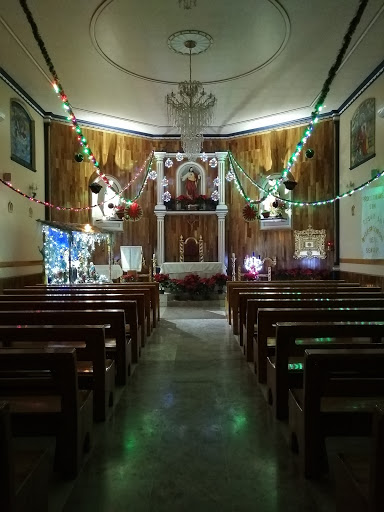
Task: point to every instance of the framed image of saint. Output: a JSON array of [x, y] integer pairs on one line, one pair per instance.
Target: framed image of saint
[[363, 133], [22, 136]]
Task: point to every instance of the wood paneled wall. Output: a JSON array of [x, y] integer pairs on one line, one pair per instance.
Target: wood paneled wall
[[363, 279], [261, 154]]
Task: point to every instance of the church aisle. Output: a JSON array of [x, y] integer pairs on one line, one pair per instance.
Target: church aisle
[[192, 432]]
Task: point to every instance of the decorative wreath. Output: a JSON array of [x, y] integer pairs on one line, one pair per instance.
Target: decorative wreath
[[250, 213], [133, 212]]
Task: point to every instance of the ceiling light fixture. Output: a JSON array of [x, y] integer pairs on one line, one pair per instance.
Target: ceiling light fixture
[[191, 108]]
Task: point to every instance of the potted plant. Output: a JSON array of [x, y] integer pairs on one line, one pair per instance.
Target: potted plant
[[201, 202], [266, 214], [120, 211], [183, 201]]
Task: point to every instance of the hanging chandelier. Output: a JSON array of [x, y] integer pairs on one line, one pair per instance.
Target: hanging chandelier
[[190, 109], [187, 4]]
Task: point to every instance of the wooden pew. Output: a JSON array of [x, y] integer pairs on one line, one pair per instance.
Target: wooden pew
[[55, 407], [130, 308], [267, 318], [117, 344], [239, 296], [280, 378], [249, 285], [340, 391], [23, 473], [253, 305], [359, 478], [94, 370], [152, 286], [142, 297]]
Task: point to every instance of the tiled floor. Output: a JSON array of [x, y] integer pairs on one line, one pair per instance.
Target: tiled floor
[[192, 432]]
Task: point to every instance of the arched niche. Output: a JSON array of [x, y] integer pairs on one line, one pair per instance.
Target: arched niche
[[105, 196], [183, 170]]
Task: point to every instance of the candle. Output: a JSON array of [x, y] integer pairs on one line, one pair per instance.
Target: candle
[[233, 255]]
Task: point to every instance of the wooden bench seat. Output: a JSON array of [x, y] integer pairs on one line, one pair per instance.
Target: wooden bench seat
[[359, 477], [304, 294], [142, 297], [117, 344], [116, 287], [279, 379], [94, 370], [253, 305], [340, 391], [23, 472], [70, 418], [130, 308], [265, 340], [233, 288], [249, 285]]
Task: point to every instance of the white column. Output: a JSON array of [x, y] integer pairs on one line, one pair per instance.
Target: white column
[[221, 256], [159, 157], [221, 159], [160, 237]]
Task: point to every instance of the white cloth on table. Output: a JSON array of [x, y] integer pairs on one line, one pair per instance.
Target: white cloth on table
[[131, 257], [103, 270], [179, 269]]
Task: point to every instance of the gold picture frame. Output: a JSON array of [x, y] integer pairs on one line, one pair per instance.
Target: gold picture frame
[[310, 243]]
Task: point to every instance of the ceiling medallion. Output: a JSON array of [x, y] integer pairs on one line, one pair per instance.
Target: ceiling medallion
[[187, 4]]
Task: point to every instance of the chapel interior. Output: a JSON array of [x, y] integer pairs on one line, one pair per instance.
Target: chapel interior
[[191, 255]]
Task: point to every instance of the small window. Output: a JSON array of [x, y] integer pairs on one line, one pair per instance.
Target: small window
[[275, 213], [104, 198]]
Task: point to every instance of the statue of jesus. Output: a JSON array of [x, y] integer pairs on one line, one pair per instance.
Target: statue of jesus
[[190, 179]]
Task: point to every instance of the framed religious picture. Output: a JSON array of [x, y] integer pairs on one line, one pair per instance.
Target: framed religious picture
[[22, 136], [363, 133]]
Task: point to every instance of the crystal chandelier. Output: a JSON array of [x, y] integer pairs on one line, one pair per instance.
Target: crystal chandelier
[[190, 110], [188, 4]]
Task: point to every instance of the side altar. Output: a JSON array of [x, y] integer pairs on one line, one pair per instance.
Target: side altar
[[179, 270]]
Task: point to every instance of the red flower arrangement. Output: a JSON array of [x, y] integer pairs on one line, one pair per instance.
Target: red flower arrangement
[[192, 284]]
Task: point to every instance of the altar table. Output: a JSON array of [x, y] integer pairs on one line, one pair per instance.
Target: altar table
[[178, 269]]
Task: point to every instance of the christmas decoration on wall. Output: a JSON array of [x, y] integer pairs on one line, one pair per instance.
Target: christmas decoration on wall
[[204, 157], [213, 162], [152, 175], [133, 212], [79, 157], [95, 187], [216, 181], [179, 156], [164, 182], [250, 213], [168, 163], [166, 197], [309, 153], [215, 195]]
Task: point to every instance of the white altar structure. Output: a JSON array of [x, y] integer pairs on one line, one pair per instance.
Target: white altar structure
[[178, 269], [220, 212]]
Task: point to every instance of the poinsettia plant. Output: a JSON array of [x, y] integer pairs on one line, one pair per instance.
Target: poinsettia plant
[[192, 283]]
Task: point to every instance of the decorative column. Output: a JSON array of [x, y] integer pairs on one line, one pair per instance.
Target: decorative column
[[221, 256], [159, 156], [160, 236], [221, 159]]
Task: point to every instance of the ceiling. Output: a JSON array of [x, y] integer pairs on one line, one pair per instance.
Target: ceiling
[[266, 65]]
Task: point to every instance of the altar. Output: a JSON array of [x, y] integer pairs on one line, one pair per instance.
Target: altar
[[178, 269]]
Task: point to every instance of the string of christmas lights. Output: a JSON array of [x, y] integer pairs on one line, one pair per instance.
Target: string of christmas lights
[[324, 92], [58, 88], [291, 202], [128, 202]]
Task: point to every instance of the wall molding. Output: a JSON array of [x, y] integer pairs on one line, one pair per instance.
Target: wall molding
[[361, 261], [9, 264]]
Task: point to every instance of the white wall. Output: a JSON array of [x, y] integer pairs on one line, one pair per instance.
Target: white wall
[[354, 227], [20, 234]]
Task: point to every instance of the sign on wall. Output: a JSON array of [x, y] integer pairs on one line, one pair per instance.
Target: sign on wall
[[372, 223]]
